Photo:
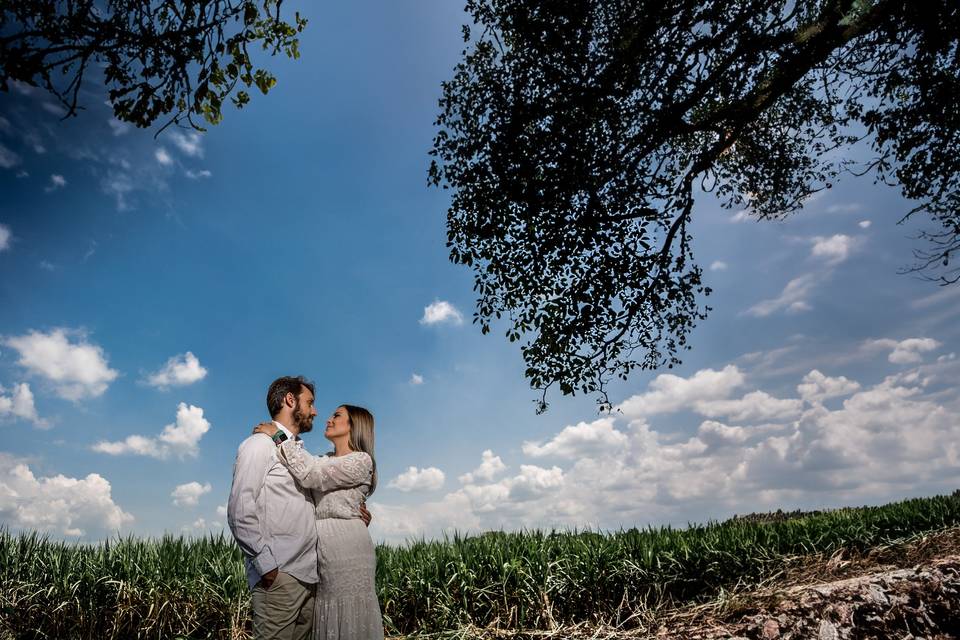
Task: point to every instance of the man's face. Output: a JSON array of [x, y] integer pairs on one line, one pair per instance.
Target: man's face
[[305, 412]]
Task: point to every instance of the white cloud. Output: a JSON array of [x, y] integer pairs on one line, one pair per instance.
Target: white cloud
[[817, 387], [188, 495], [668, 393], [53, 109], [533, 481], [852, 207], [490, 467], [756, 406], [23, 88], [20, 404], [5, 236], [584, 438], [416, 379], [181, 439], [414, 479], [202, 525], [8, 159], [833, 250], [718, 265], [740, 216], [864, 224], [57, 504], [884, 441], [56, 182], [119, 185], [119, 127], [441, 312], [76, 369], [907, 351], [222, 511], [35, 142], [189, 143], [792, 299], [196, 175], [163, 157], [180, 370]]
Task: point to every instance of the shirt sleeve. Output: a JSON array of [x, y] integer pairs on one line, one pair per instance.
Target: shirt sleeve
[[254, 459], [325, 472]]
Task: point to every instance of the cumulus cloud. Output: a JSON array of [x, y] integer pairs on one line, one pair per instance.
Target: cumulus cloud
[[197, 175], [76, 369], [864, 224], [180, 439], [416, 379], [188, 495], [5, 236], [163, 157], [718, 265], [907, 351], [793, 298], [19, 404], [57, 504], [179, 371], [883, 440], [817, 387], [441, 312], [414, 479], [490, 467], [189, 143], [668, 393], [756, 406], [584, 438], [833, 250]]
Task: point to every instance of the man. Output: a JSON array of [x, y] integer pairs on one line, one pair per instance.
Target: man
[[272, 519]]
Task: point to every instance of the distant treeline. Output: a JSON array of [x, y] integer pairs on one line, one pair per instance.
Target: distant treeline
[[180, 587]]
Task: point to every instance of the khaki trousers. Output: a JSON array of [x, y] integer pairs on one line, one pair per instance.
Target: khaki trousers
[[284, 611]]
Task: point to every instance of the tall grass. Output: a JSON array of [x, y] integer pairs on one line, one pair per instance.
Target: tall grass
[[174, 587]]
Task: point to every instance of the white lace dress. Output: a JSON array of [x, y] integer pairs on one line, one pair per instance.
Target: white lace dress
[[346, 603]]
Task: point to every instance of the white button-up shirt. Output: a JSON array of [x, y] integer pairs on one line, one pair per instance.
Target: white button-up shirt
[[270, 516]]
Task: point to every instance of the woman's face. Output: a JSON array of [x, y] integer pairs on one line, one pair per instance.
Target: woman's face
[[338, 424]]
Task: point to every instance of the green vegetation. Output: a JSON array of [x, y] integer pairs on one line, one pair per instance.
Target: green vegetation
[[174, 587]]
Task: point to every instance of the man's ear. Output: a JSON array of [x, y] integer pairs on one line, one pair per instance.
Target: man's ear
[[290, 400]]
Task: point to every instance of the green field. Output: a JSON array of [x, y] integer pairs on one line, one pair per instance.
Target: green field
[[177, 587]]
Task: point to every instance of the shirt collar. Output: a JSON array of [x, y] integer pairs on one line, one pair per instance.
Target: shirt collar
[[288, 433]]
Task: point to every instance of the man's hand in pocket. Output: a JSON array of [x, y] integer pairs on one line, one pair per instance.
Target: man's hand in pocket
[[267, 579]]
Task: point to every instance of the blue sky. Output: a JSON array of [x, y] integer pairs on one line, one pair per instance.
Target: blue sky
[[299, 236]]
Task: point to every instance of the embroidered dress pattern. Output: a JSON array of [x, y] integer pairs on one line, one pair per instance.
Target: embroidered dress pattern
[[346, 601]]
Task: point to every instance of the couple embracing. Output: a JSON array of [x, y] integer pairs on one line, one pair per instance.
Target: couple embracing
[[301, 522]]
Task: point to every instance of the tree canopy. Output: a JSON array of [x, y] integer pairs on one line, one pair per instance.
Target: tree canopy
[[159, 58], [576, 136]]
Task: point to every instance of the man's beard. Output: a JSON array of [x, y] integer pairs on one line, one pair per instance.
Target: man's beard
[[303, 423]]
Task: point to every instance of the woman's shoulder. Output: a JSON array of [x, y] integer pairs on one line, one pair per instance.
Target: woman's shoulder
[[360, 456]]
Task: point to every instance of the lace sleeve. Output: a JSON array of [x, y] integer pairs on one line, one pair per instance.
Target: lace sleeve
[[327, 472]]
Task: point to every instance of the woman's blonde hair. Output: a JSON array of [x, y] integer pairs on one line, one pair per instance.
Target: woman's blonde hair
[[361, 436]]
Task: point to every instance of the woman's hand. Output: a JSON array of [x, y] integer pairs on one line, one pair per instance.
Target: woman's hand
[[266, 427]]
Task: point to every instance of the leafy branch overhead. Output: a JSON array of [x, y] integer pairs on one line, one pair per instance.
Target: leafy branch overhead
[[176, 58], [576, 136]]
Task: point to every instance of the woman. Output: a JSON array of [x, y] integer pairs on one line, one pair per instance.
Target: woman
[[346, 602]]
